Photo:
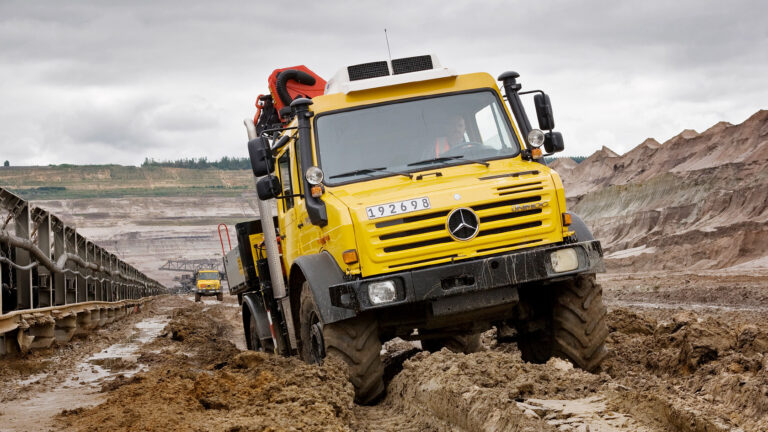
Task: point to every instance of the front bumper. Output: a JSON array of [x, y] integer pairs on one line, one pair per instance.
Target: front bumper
[[473, 284], [208, 292]]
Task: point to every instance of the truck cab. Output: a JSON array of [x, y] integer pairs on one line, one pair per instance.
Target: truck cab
[[413, 202], [208, 283]]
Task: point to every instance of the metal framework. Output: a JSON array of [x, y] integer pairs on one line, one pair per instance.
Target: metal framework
[[191, 266], [47, 267]]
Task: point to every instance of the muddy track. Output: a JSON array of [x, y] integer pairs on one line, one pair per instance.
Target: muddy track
[[670, 368]]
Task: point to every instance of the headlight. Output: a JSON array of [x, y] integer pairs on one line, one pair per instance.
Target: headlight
[[564, 260], [382, 292], [536, 138], [314, 175]]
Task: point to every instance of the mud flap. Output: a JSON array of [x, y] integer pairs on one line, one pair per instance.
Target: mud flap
[[256, 310]]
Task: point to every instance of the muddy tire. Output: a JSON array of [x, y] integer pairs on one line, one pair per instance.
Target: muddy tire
[[197, 297], [575, 330], [466, 344], [579, 323], [252, 333], [355, 341], [220, 296]]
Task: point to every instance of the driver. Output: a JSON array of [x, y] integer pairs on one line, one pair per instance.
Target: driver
[[454, 135]]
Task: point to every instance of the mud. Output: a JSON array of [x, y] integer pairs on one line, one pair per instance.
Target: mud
[[672, 367]]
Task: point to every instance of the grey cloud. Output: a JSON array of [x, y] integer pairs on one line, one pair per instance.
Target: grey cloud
[[155, 79]]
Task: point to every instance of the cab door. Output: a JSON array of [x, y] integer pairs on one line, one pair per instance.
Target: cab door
[[309, 234], [286, 207]]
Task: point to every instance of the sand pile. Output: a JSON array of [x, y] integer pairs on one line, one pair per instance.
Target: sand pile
[[198, 380], [696, 201]]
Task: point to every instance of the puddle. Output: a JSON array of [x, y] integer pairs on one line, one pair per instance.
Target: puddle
[[587, 414], [80, 387], [91, 371], [691, 306], [32, 379]]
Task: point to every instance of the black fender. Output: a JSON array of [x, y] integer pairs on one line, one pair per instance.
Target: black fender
[[582, 232], [321, 271], [253, 306]]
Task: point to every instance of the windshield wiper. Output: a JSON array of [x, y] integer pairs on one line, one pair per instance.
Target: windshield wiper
[[434, 160], [368, 171], [445, 159]]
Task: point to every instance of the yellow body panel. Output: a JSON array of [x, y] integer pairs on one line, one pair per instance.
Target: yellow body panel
[[209, 284], [385, 247]]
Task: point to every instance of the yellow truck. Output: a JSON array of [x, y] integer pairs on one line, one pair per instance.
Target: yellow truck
[[411, 202], [208, 283]]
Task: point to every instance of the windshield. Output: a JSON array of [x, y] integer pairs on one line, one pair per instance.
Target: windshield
[[208, 275], [415, 135]]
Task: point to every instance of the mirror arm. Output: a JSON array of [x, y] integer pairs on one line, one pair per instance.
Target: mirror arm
[[315, 206]]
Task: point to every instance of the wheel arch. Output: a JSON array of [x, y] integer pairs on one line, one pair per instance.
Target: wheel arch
[[582, 231], [320, 271]]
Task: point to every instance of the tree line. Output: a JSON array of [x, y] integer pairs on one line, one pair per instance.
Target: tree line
[[225, 163], [577, 159]]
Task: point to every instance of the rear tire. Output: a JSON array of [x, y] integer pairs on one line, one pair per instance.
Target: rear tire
[[574, 329], [466, 344], [256, 344], [355, 341]]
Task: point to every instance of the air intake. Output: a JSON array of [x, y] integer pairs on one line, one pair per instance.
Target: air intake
[[368, 70], [411, 64], [384, 73]]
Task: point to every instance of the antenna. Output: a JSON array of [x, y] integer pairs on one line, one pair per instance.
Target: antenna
[[388, 51]]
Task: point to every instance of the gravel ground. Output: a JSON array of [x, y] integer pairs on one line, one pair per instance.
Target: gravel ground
[[688, 353]]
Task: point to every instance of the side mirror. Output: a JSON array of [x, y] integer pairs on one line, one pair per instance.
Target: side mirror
[[268, 187], [544, 111], [553, 142], [262, 162]]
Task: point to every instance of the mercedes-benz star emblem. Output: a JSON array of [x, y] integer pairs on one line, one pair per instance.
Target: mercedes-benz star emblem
[[462, 224]]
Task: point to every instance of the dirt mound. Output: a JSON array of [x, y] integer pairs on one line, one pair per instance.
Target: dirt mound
[[481, 392], [695, 201], [717, 361], [563, 164], [198, 380]]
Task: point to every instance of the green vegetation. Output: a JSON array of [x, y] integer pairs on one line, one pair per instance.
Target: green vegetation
[[577, 159], [6, 163], [115, 181], [226, 163], [52, 192]]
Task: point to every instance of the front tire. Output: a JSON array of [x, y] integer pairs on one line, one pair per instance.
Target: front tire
[[197, 297], [573, 325], [220, 297], [579, 328], [355, 341]]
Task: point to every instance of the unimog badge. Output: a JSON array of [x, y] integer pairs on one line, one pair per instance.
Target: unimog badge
[[524, 207]]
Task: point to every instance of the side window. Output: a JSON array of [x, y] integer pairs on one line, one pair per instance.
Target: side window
[[488, 120], [284, 166], [299, 175]]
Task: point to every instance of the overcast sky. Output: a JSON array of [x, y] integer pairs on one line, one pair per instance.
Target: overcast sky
[[118, 81]]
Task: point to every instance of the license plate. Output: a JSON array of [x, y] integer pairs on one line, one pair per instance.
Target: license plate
[[396, 208]]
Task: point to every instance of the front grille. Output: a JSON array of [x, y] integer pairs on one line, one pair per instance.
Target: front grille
[[510, 216], [368, 70], [523, 187]]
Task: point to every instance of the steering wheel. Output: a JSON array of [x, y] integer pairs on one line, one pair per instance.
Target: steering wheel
[[466, 145]]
